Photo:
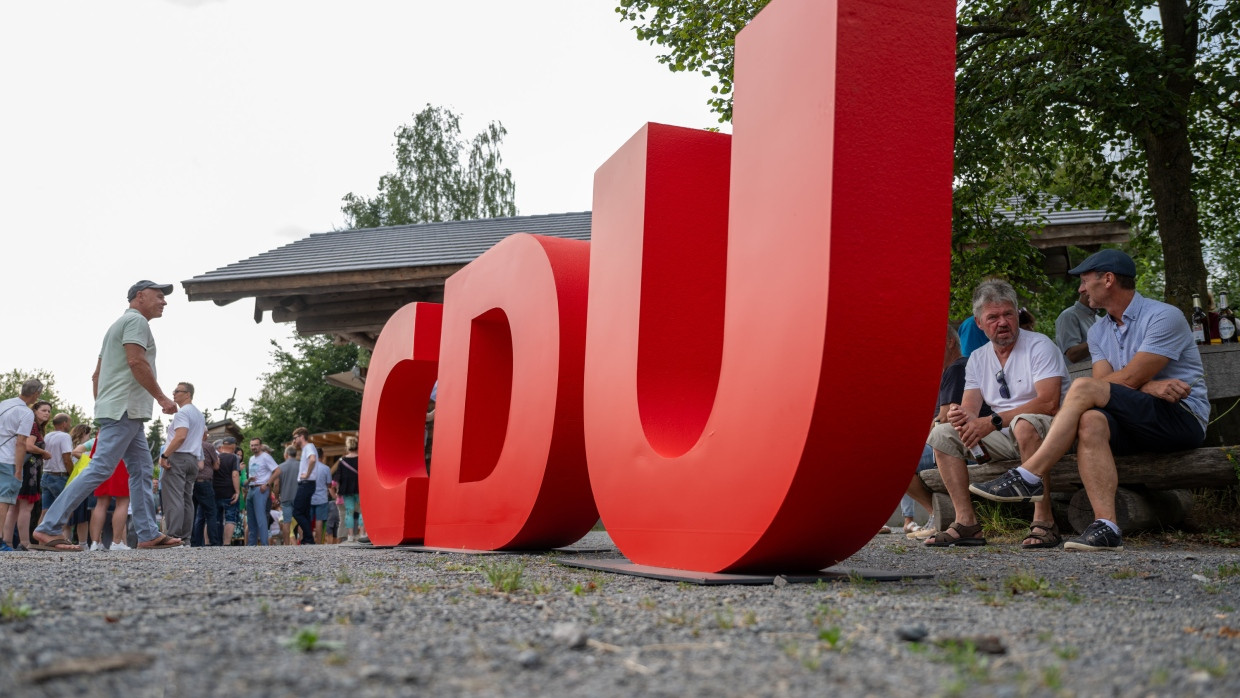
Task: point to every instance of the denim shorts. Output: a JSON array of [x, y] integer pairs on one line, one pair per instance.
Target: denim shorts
[[232, 512], [287, 510], [53, 485], [9, 485], [319, 512]]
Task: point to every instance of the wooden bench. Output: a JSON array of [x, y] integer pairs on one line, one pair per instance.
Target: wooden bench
[[1155, 488]]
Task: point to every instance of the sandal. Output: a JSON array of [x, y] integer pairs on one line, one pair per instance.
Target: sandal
[[1049, 539], [969, 536], [54, 545], [163, 541]]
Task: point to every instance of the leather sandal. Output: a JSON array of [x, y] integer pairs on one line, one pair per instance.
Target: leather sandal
[[969, 536], [1046, 533]]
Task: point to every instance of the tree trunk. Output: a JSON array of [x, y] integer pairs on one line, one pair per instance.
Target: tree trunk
[[1169, 161]]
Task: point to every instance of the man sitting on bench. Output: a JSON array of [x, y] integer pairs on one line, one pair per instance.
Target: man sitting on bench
[[1146, 394], [1022, 376]]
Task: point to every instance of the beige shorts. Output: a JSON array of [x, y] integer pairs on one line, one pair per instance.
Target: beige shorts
[[1000, 444]]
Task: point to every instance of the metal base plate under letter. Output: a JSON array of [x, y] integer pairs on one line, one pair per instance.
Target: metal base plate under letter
[[831, 574]]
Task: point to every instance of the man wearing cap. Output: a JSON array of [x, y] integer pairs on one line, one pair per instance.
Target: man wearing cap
[[1146, 394], [124, 384]]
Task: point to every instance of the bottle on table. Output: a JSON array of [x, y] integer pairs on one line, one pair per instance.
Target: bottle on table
[[1200, 323], [1226, 320]]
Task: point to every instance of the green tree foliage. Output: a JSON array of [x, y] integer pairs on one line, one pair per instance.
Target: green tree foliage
[[1128, 104], [439, 177], [294, 394], [11, 386]]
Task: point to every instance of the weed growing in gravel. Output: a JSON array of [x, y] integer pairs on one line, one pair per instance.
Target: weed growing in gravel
[[964, 657], [421, 587], [861, 582], [684, 586], [579, 589], [978, 583], [1215, 668], [1124, 573], [830, 635], [505, 576], [999, 524], [1067, 652], [1025, 582], [750, 618], [381, 574], [1230, 569], [12, 609], [540, 587], [1160, 677], [725, 619], [1052, 677], [308, 640], [342, 577], [895, 548], [646, 603], [950, 587], [264, 607], [823, 613]]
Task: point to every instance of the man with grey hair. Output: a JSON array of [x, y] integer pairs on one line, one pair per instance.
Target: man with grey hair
[[1022, 376], [1146, 394], [16, 420], [124, 385]]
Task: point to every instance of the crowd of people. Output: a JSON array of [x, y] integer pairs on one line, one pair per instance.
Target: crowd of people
[[1005, 394], [71, 479], [1011, 398]]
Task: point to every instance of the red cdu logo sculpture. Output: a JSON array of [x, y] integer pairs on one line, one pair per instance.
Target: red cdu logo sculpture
[[762, 335]]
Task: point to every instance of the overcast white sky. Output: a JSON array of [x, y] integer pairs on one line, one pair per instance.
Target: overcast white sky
[[165, 138]]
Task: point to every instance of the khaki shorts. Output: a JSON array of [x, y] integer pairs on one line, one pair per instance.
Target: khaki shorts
[[1000, 444]]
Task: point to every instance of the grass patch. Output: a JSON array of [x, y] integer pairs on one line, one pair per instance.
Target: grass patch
[[309, 640], [505, 576], [12, 609], [999, 523], [1124, 573], [1230, 569], [951, 587], [342, 577], [896, 548]]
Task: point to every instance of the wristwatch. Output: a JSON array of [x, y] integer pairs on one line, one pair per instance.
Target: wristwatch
[[996, 420]]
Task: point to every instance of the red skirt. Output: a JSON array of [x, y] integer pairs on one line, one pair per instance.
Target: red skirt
[[117, 485]]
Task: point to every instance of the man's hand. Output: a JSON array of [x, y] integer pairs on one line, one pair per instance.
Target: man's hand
[[262, 488], [1171, 390], [969, 427], [234, 498], [167, 405]]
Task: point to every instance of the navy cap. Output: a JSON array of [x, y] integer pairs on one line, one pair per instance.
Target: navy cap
[[145, 284], [1113, 261]]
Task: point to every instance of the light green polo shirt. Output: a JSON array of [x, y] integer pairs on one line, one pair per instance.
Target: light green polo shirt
[[119, 392]]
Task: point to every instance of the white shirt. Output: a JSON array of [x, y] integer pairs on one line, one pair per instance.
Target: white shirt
[[307, 452], [16, 421], [261, 468], [195, 426], [57, 443], [1034, 357]]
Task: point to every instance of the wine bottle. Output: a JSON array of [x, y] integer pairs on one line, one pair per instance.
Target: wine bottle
[[1200, 323], [980, 454], [1226, 320]]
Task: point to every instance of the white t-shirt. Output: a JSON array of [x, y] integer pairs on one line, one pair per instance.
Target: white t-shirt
[[1035, 357], [16, 421], [57, 443], [306, 452], [195, 426]]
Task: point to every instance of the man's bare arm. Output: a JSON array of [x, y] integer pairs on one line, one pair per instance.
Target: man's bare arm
[[68, 461], [1141, 370], [94, 378], [178, 438], [135, 354], [19, 456], [1077, 352]]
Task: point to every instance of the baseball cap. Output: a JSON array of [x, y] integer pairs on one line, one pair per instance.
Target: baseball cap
[[1113, 261], [229, 441], [145, 284]]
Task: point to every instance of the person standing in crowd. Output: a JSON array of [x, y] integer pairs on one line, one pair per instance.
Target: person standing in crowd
[[32, 469], [346, 486], [262, 467], [80, 521], [113, 492], [1072, 328], [124, 385], [180, 458], [59, 462], [16, 421], [227, 485], [204, 498], [305, 484], [320, 501], [285, 489]]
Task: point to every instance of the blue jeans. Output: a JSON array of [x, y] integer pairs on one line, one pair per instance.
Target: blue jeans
[[119, 439], [926, 462], [204, 515], [53, 485], [256, 515]]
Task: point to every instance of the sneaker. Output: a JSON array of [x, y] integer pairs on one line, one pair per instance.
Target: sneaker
[[96, 547], [5, 547], [120, 546], [1097, 536], [1008, 487], [923, 532]]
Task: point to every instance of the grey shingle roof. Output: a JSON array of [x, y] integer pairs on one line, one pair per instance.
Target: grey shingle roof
[[420, 245], [1047, 215]]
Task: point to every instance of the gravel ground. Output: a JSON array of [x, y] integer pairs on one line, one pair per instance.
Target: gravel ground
[[1153, 620]]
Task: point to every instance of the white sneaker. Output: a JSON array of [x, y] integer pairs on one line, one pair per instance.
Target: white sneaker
[[120, 546], [95, 547]]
